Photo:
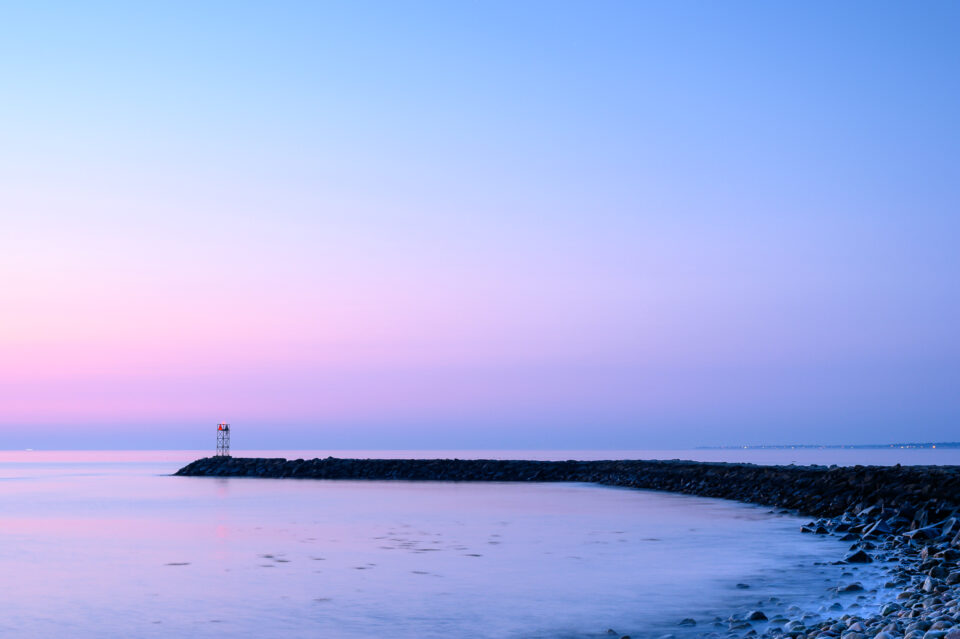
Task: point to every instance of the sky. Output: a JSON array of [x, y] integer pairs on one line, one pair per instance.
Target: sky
[[468, 224]]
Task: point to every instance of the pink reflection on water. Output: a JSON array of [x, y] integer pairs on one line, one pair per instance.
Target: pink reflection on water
[[117, 548]]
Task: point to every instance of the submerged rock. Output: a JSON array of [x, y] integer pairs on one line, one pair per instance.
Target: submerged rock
[[854, 587]]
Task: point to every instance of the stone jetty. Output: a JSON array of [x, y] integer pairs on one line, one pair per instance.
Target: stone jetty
[[905, 517], [810, 490]]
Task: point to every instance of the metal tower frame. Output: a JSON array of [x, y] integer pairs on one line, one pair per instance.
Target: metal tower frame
[[223, 439]]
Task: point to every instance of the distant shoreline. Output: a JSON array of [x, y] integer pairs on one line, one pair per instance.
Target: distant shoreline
[[912, 445]]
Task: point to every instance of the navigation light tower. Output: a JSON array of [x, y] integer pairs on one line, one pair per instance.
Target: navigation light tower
[[223, 439]]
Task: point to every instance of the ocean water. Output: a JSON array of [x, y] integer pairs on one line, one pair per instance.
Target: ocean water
[[110, 545]]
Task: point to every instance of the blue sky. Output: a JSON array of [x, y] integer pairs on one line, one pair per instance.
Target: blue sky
[[532, 224]]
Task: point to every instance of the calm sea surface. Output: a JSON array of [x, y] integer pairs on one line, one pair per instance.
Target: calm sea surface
[[107, 544]]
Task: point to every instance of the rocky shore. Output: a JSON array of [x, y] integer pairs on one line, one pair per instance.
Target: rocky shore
[[908, 518]]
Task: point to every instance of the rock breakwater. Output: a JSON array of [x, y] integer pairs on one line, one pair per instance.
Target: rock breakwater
[[907, 518], [811, 490]]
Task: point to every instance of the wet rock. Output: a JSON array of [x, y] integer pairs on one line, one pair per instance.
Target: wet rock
[[854, 587], [879, 527], [937, 572], [927, 532], [858, 557], [688, 622], [756, 615]]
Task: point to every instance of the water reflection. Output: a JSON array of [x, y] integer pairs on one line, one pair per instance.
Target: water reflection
[[99, 549]]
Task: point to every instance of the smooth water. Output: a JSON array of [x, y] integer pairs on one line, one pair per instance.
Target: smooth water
[[94, 546]]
